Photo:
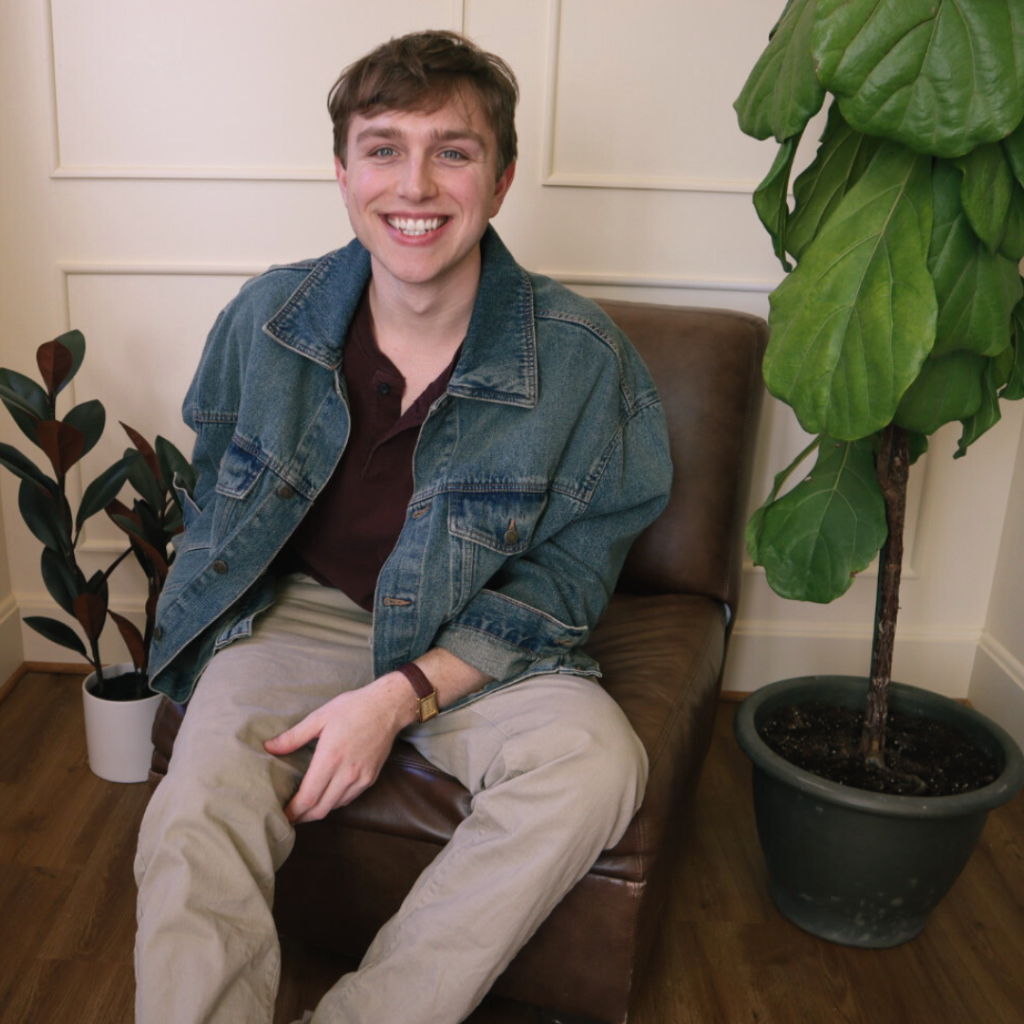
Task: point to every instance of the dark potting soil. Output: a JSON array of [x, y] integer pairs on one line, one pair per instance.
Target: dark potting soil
[[923, 757], [130, 686]]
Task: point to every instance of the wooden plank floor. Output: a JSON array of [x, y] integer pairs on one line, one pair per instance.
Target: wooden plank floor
[[727, 957]]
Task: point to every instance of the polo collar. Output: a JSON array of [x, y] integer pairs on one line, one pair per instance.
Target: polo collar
[[499, 355]]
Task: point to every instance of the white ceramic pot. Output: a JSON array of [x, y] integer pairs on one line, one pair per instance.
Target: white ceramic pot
[[117, 733]]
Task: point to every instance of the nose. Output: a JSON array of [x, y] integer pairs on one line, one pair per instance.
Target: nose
[[417, 183]]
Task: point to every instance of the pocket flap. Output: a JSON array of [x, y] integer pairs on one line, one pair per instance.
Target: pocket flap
[[239, 471], [504, 521]]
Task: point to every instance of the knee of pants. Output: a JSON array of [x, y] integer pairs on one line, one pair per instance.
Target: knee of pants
[[598, 759]]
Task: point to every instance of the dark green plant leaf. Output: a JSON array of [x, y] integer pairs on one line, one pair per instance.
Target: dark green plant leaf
[[816, 538], [988, 413], [1013, 147], [59, 580], [976, 289], [102, 491], [853, 323], [90, 418], [74, 342], [985, 192], [41, 511], [145, 449], [175, 469], [140, 476], [57, 632], [939, 76], [948, 388], [770, 198], [1014, 390], [1012, 245], [13, 460], [55, 363], [783, 93], [752, 534], [917, 445], [24, 393], [843, 156]]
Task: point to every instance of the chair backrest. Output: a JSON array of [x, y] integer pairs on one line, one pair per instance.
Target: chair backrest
[[706, 364]]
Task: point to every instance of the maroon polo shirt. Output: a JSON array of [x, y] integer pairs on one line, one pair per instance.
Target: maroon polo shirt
[[355, 521]]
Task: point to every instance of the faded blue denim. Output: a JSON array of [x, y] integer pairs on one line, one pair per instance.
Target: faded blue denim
[[533, 474]]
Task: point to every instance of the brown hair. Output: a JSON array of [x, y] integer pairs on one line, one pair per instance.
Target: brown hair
[[422, 72]]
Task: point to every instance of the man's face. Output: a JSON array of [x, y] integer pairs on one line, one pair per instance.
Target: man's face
[[420, 189]]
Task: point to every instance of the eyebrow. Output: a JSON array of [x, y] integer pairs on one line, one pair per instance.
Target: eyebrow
[[445, 135]]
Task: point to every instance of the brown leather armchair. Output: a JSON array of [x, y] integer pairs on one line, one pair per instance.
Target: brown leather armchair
[[661, 645]]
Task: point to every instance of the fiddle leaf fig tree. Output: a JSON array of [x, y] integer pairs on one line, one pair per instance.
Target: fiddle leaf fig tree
[[903, 306]]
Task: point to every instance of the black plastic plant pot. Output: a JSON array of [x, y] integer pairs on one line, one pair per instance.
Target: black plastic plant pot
[[855, 867]]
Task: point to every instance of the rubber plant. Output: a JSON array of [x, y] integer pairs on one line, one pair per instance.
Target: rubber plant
[[902, 310], [47, 511]]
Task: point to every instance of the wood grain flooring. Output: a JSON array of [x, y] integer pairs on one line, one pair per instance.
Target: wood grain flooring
[[726, 956]]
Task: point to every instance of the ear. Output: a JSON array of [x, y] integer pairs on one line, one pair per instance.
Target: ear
[[342, 175], [501, 187]]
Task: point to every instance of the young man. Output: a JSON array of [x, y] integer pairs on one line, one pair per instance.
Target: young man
[[420, 469]]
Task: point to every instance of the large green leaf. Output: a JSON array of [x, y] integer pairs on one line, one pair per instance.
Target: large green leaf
[[25, 468], [948, 388], [988, 414], [102, 490], [770, 198], [853, 323], [59, 580], [56, 631], [90, 418], [41, 511], [1014, 390], [843, 156], [23, 392], [1013, 147], [940, 76], [783, 93], [976, 289], [140, 476], [175, 468], [816, 538], [74, 342], [985, 192]]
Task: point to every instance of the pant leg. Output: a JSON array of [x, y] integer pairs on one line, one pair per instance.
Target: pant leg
[[215, 831], [556, 774]]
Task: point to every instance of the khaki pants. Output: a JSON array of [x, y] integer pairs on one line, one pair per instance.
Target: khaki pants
[[556, 774]]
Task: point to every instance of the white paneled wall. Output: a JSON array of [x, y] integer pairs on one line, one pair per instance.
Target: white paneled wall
[[157, 154]]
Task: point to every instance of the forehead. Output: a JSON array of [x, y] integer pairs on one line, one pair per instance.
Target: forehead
[[458, 117]]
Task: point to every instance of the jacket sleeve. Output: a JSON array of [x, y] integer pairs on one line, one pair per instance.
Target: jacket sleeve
[[544, 603]]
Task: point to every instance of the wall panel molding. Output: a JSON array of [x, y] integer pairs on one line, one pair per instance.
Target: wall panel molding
[[553, 177]]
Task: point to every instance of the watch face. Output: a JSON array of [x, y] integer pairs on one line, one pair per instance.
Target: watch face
[[428, 707]]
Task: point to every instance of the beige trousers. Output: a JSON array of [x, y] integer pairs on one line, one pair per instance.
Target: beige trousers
[[556, 774]]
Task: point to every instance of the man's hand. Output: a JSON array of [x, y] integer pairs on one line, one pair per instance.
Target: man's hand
[[354, 733]]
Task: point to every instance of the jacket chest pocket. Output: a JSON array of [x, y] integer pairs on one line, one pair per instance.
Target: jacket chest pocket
[[493, 526]]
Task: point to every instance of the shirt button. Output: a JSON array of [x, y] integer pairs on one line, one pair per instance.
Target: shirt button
[[158, 633], [220, 566], [285, 491], [384, 389]]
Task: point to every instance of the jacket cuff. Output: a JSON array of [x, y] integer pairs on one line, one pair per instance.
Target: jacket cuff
[[504, 637]]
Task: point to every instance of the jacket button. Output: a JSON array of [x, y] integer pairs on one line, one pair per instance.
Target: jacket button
[[511, 534], [285, 491], [158, 633], [220, 566]]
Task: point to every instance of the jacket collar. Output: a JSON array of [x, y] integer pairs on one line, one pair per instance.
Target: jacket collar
[[499, 356]]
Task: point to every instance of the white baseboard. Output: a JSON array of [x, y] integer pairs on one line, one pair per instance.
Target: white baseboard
[[997, 686], [12, 652], [763, 652]]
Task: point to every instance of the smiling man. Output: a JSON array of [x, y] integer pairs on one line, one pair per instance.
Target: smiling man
[[419, 471]]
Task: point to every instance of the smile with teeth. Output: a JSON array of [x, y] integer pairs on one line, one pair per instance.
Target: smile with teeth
[[413, 226]]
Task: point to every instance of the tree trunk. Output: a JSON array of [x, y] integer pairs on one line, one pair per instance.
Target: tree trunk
[[893, 466]]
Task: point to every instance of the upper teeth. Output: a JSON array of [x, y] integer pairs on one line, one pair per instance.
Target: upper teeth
[[412, 226]]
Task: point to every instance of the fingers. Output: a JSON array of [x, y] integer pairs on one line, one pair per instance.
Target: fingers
[[326, 785], [294, 738]]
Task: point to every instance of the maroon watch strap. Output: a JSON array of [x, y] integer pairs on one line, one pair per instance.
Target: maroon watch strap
[[416, 676]]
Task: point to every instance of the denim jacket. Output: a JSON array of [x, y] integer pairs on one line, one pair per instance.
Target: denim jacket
[[533, 473]]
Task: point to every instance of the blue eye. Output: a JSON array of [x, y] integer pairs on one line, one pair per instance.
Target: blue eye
[[453, 154], [384, 151]]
